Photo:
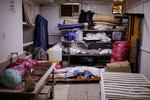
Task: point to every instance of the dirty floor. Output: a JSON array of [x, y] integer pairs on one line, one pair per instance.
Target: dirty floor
[[86, 91]]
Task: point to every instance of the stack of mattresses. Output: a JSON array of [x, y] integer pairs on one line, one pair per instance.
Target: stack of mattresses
[[105, 18]]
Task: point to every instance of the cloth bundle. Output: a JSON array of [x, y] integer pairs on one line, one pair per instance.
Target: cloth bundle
[[120, 51], [12, 76], [87, 74], [104, 18]]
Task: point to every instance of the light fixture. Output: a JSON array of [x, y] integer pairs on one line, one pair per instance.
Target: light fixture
[[118, 0]]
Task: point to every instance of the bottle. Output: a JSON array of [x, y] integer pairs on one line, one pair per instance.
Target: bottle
[[29, 81], [55, 54]]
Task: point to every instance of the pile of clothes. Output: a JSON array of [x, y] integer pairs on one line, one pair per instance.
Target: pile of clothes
[[78, 71], [98, 36], [15, 72]]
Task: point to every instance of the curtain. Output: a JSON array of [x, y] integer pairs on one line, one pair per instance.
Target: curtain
[[29, 12]]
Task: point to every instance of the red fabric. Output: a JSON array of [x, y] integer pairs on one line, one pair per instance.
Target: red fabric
[[120, 51], [27, 63], [22, 64], [58, 66]]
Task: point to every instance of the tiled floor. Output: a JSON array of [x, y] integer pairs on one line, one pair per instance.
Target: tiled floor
[[86, 91]]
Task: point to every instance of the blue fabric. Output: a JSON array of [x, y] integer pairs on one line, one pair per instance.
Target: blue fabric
[[70, 26], [41, 33], [87, 74], [77, 73], [70, 36]]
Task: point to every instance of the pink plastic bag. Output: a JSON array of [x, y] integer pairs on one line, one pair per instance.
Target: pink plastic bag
[[120, 51]]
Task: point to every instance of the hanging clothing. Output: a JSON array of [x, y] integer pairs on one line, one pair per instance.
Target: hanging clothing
[[85, 16], [41, 33]]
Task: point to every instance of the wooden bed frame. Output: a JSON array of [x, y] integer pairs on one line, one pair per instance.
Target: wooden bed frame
[[20, 94]]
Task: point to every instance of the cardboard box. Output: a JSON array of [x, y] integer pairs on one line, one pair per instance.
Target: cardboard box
[[123, 66]]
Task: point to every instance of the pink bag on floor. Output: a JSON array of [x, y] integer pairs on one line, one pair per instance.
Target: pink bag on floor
[[120, 51]]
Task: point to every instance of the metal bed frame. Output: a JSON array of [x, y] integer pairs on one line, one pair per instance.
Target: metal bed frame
[[124, 86]]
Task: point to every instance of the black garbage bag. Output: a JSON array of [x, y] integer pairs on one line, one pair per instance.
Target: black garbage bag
[[89, 61]]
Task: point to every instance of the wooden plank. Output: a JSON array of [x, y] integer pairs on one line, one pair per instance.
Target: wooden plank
[[40, 84], [42, 81]]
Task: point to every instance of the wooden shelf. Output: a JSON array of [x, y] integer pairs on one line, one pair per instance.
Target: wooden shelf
[[85, 55], [98, 41], [98, 59], [92, 30], [98, 65], [27, 44], [20, 92]]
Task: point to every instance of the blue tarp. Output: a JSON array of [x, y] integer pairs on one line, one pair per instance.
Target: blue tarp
[[70, 26]]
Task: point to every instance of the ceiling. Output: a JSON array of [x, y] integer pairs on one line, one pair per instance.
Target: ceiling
[[47, 2]]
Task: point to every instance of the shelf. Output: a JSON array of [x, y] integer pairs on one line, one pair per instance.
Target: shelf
[[92, 30], [96, 65], [67, 30], [85, 55], [122, 17], [27, 44], [99, 60], [86, 30], [98, 41]]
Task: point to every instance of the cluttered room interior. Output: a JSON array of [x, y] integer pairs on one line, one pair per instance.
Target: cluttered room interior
[[75, 49]]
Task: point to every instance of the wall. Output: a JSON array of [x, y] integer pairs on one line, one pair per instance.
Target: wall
[[103, 8], [51, 13], [143, 7], [11, 35]]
